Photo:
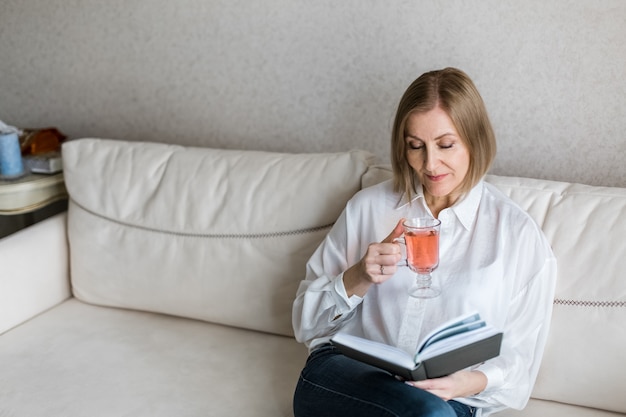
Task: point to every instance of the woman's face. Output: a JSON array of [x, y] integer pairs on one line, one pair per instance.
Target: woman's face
[[438, 155]]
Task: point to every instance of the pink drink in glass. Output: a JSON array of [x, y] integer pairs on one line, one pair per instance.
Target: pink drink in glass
[[421, 236], [422, 250]]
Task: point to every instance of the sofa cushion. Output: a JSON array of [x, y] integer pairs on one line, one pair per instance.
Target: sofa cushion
[[215, 235], [28, 291], [84, 360], [584, 360], [542, 408]]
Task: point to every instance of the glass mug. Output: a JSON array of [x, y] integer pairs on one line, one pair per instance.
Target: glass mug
[[421, 238]]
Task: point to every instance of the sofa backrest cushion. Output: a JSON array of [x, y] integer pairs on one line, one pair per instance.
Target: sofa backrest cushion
[[215, 235], [585, 355]]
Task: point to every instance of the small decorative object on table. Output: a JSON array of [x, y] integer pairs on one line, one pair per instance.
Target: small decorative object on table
[[41, 141], [46, 163], [26, 154], [11, 164]]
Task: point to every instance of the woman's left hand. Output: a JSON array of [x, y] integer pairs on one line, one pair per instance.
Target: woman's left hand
[[456, 385]]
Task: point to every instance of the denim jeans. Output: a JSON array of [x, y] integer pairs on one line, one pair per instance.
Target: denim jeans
[[332, 384]]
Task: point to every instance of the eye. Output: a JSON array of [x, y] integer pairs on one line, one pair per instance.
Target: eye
[[416, 144], [446, 145]]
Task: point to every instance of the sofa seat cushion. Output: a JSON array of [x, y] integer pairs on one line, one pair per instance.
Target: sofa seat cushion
[[209, 234], [83, 360]]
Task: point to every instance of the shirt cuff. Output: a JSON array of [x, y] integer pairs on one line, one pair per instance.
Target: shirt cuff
[[495, 376], [344, 303]]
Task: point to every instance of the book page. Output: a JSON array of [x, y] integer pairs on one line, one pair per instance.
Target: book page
[[455, 322], [389, 353], [452, 331], [454, 342]]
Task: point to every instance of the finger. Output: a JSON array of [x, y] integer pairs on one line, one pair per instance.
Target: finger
[[382, 265], [395, 233], [387, 269], [441, 387], [441, 393], [389, 260], [425, 384], [432, 384], [376, 252], [386, 253], [378, 273]]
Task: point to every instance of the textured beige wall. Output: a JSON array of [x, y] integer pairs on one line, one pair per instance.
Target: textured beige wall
[[324, 75]]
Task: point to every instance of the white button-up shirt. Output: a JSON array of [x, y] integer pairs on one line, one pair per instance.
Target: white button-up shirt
[[493, 258]]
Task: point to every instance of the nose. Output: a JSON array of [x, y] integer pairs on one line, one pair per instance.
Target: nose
[[431, 160]]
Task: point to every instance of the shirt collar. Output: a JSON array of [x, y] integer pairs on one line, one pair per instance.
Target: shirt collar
[[465, 209]]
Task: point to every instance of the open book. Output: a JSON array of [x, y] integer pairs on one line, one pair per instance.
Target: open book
[[457, 344]]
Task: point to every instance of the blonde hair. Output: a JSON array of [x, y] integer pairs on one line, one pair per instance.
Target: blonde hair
[[455, 93]]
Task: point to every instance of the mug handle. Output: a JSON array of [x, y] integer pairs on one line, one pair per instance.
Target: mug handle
[[402, 241]]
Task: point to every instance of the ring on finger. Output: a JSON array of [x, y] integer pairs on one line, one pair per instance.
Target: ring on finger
[[382, 270]]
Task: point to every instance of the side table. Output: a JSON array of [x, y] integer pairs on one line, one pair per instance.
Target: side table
[[30, 193], [30, 199]]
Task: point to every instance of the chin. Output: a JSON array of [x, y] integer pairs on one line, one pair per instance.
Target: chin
[[438, 190]]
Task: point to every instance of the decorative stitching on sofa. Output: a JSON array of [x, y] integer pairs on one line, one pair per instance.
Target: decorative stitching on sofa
[[210, 235], [252, 235], [586, 303]]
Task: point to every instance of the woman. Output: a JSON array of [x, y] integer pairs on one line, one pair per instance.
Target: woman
[[493, 259]]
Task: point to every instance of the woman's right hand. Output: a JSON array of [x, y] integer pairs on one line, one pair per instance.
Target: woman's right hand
[[377, 266]]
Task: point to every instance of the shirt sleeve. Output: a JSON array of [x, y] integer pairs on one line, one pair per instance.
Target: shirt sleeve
[[322, 305], [511, 376]]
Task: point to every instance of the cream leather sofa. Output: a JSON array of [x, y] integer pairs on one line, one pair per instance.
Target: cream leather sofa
[[166, 289]]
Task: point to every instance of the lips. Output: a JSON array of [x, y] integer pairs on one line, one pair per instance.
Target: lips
[[436, 178]]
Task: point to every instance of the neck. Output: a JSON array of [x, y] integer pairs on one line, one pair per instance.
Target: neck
[[437, 204]]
